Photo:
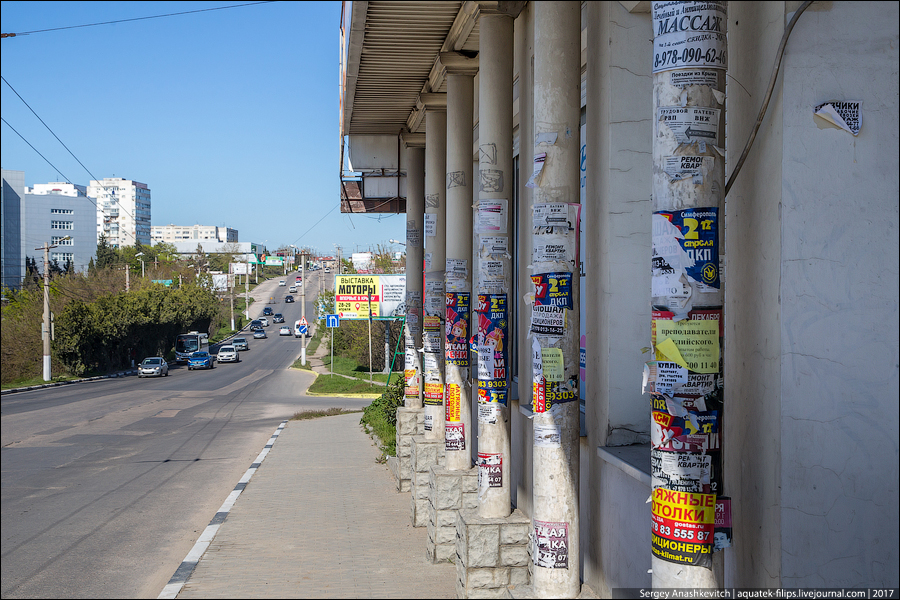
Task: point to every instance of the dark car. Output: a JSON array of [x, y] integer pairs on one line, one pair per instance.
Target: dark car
[[200, 360], [255, 324], [267, 311], [288, 298], [278, 318]]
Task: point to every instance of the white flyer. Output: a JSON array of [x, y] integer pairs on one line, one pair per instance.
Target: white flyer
[[492, 216], [689, 34], [691, 124]]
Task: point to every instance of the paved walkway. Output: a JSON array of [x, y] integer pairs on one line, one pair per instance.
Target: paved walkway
[[320, 518]]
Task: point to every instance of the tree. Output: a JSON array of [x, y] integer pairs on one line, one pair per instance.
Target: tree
[[107, 256]]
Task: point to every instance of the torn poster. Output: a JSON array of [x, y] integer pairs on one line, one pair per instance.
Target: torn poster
[[846, 115]]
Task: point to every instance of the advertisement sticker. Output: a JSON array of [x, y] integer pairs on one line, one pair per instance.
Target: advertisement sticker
[[546, 436], [692, 344], [697, 233], [492, 334], [553, 289], [454, 436], [683, 525], [488, 412], [492, 392], [548, 320], [457, 320], [691, 124], [684, 36], [491, 217], [434, 394], [681, 471], [352, 294], [451, 405], [551, 545], [723, 533], [490, 471]]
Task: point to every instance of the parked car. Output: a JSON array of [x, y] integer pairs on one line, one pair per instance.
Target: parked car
[[259, 334], [153, 367], [200, 360], [264, 321], [228, 354], [255, 324], [284, 330], [268, 312], [240, 344], [288, 298], [281, 283], [278, 318]]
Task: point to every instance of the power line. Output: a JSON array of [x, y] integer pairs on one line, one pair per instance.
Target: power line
[[36, 150], [314, 224], [134, 19]]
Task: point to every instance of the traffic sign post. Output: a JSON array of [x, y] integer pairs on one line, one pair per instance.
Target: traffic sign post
[[332, 321]]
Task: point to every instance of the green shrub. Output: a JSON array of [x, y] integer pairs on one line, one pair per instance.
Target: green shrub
[[381, 415]]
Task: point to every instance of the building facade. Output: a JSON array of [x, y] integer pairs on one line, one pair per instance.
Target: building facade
[[13, 262], [805, 448], [180, 233], [123, 211], [53, 211]]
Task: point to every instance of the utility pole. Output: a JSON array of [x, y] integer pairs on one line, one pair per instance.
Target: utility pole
[[684, 377], [45, 327], [303, 304]]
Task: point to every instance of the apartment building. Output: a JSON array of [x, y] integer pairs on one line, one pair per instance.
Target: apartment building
[[202, 233], [63, 215], [123, 211]]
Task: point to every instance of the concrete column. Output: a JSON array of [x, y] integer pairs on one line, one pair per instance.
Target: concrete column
[[493, 266], [435, 260], [555, 320], [687, 293], [415, 235], [458, 274]]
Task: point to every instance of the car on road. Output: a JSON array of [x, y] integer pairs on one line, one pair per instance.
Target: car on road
[[328, 269], [268, 312], [153, 366], [293, 289], [284, 330], [278, 318], [228, 354], [255, 324], [264, 321], [200, 360], [240, 344], [281, 283], [288, 298], [259, 334]]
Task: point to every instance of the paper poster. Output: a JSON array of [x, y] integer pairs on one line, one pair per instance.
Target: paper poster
[[683, 525], [434, 394], [491, 268], [413, 235], [457, 267], [492, 217], [690, 241], [696, 342], [684, 78], [560, 392], [846, 115], [690, 432], [552, 215], [538, 395], [553, 289], [552, 359], [548, 320], [551, 545], [454, 436], [552, 248], [689, 34], [691, 124], [492, 316], [431, 224], [685, 167], [492, 392], [546, 436], [452, 408], [490, 471], [722, 535], [681, 471], [457, 319], [494, 245], [538, 167], [428, 256], [488, 412]]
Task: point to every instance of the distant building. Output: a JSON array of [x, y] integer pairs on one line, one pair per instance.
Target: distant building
[[53, 211], [123, 211], [201, 233], [12, 262]]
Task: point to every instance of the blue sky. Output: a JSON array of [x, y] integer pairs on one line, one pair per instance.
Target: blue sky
[[229, 116]]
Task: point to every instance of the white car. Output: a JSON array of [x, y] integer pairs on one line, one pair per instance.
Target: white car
[[153, 367], [293, 289], [281, 283], [228, 354], [284, 331], [264, 321]]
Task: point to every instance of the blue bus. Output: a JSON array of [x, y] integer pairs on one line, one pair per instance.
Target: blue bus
[[188, 343]]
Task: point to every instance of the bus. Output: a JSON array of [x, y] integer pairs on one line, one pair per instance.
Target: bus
[[188, 343]]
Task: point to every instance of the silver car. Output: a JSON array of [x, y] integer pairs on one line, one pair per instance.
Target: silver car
[[228, 354], [153, 367]]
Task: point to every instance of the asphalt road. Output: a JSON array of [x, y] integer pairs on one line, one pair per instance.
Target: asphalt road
[[106, 485]]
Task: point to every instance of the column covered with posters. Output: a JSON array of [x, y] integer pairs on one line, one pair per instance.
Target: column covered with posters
[[555, 326], [434, 300], [684, 377], [415, 218]]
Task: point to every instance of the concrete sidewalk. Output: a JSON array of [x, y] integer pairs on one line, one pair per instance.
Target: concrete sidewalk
[[320, 519]]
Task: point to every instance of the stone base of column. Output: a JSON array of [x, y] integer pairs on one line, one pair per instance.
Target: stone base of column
[[448, 493], [424, 454], [492, 555], [410, 422]]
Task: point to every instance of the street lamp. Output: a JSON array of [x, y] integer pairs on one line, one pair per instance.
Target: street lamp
[[45, 334], [393, 241], [142, 262]]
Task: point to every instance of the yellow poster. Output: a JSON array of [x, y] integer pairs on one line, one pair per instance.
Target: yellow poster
[[451, 403], [697, 343], [554, 369]]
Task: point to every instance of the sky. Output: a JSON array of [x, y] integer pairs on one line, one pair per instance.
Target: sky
[[231, 116]]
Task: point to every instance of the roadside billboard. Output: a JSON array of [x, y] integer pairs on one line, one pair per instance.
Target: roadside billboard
[[351, 296]]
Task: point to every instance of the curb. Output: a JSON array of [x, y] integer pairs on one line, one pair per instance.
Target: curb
[[59, 383]]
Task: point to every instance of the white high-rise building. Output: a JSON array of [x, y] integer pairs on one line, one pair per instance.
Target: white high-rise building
[[123, 211], [181, 233]]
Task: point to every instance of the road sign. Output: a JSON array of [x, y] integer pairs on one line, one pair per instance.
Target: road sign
[[332, 321], [304, 322], [302, 329]]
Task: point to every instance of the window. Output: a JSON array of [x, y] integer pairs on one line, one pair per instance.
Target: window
[[59, 241], [62, 211], [62, 225], [62, 257]]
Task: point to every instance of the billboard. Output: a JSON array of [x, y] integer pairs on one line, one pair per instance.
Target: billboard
[[352, 296]]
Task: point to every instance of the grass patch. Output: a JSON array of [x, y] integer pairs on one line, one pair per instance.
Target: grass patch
[[39, 380], [328, 385], [349, 367], [315, 414]]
